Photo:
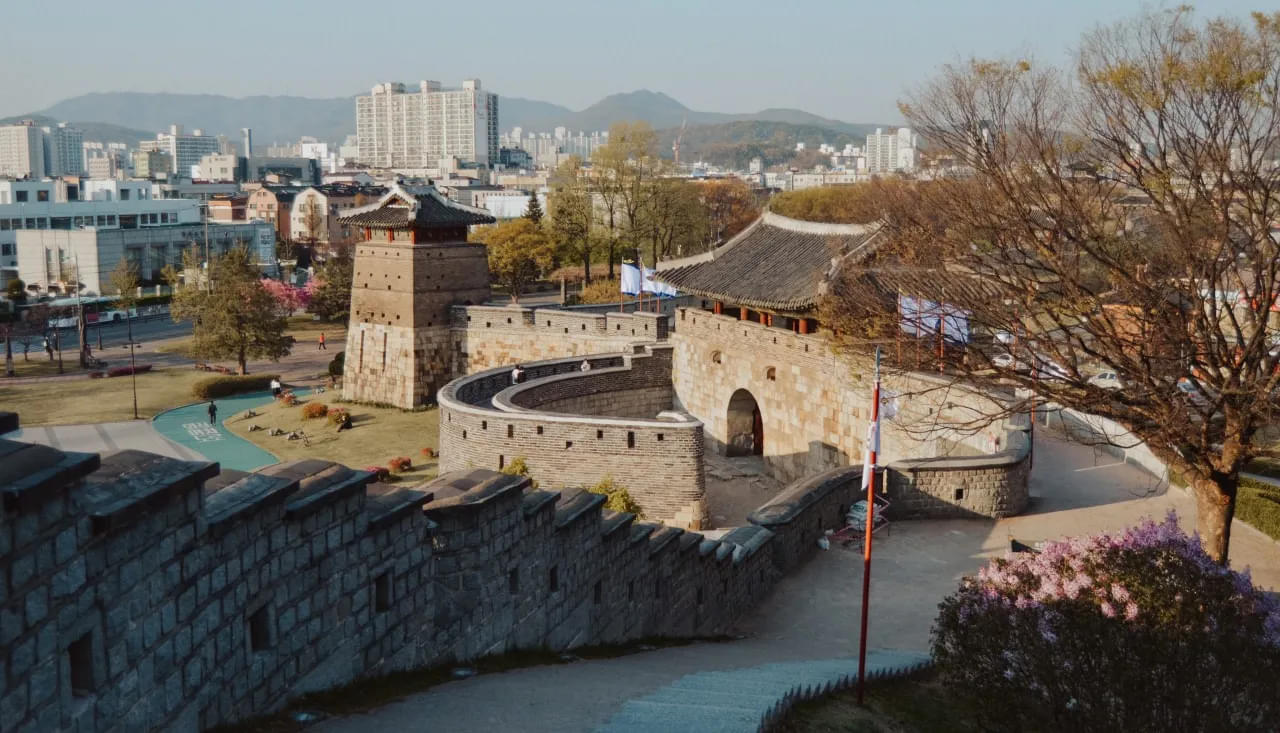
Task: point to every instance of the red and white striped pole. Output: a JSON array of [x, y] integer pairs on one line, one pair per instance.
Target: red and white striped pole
[[869, 478]]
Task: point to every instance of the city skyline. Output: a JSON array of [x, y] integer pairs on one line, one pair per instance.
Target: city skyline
[[719, 57]]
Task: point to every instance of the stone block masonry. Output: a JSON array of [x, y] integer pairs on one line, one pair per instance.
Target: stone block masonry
[[486, 422], [145, 593], [814, 406], [492, 336]]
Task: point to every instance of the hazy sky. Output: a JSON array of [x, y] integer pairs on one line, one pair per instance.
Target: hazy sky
[[845, 59]]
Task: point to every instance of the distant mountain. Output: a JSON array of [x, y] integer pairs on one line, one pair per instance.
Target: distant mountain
[[285, 119], [273, 119], [93, 131]]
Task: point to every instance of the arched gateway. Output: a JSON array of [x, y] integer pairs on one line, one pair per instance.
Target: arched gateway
[[745, 426]]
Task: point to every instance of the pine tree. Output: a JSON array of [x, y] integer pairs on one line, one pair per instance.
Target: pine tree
[[233, 315], [534, 212]]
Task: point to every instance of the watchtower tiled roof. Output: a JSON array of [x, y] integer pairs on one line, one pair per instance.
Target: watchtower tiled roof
[[775, 264], [418, 207]]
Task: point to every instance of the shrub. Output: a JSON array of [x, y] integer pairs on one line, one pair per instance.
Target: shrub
[[338, 416], [223, 386], [336, 364], [95, 375], [381, 473], [601, 291], [431, 453], [518, 467], [1138, 631], [314, 410], [124, 371], [288, 398], [619, 498], [400, 464]]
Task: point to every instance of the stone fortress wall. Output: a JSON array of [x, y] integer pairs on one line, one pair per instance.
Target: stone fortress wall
[[492, 336], [815, 408], [142, 592], [574, 428]]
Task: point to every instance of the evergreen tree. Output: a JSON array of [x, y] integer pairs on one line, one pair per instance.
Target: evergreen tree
[[331, 298], [534, 212], [233, 315]]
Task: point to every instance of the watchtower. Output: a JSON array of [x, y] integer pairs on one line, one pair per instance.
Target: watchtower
[[413, 265]]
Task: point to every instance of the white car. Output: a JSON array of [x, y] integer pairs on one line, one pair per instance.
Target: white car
[[1106, 380]]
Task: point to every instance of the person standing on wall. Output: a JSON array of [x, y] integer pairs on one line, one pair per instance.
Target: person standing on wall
[[517, 375], [585, 366]]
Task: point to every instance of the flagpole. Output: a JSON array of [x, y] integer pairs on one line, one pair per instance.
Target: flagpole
[[872, 449]]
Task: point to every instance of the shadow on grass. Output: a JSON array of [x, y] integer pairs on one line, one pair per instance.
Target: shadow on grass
[[364, 695]]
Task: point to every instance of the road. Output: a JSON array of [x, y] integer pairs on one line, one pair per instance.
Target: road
[[115, 335]]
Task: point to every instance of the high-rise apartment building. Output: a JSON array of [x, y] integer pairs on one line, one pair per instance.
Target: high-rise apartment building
[[22, 151], [63, 150], [399, 129], [185, 151], [892, 151]]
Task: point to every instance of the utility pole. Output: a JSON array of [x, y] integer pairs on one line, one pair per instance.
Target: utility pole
[[82, 327]]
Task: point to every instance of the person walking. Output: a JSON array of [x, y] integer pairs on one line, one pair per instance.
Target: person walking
[[322, 346], [275, 387], [213, 413]]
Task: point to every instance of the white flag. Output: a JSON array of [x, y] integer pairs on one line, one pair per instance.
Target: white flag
[[873, 444], [630, 279]]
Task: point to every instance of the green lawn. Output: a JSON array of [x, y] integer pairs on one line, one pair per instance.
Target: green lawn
[[72, 401], [378, 434]]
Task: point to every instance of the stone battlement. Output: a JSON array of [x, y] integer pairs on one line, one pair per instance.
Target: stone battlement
[[143, 592], [574, 428], [493, 336]]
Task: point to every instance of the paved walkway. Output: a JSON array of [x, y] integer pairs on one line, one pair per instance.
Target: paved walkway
[[189, 426], [814, 612], [106, 437]]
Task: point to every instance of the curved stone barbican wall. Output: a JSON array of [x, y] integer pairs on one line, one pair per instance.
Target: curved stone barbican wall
[[486, 422], [485, 337], [815, 407]]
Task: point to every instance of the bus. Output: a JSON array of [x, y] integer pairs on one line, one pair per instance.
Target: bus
[[97, 309]]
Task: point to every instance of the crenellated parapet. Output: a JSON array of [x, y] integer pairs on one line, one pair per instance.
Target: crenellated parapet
[[141, 592], [573, 428]]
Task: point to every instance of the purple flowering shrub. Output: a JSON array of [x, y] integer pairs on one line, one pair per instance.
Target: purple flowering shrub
[[1135, 631]]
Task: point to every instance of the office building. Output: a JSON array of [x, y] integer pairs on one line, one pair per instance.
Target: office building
[[51, 258], [893, 151], [63, 150], [22, 151], [415, 130], [151, 164], [59, 205], [185, 150]]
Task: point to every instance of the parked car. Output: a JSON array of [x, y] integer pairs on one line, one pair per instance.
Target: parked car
[[1006, 361], [1106, 380]]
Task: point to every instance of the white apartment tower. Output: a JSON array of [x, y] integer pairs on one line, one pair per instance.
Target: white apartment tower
[[399, 129], [893, 151], [22, 151], [185, 151]]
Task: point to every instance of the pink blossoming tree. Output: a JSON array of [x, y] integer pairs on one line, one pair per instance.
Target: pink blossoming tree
[[1136, 631]]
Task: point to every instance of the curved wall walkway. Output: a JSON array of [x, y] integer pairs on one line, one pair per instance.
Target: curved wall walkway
[[189, 427], [575, 428]]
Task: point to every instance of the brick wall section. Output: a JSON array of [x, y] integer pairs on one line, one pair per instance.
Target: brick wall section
[[398, 347], [141, 592], [659, 461], [993, 485], [485, 337], [814, 404]]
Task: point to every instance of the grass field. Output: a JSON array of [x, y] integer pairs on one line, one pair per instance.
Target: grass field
[[377, 435], [68, 402], [303, 329], [918, 703]]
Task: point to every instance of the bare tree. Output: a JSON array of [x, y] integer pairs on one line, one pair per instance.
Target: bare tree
[[1116, 218]]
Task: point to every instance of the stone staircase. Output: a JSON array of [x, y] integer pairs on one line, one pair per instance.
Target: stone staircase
[[747, 700]]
